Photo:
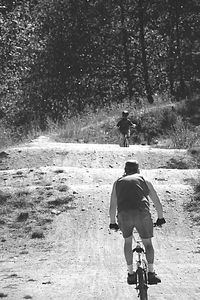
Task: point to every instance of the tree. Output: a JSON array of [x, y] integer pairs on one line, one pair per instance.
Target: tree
[[141, 12], [125, 48], [59, 57]]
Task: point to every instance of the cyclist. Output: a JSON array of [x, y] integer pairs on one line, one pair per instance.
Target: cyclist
[[130, 198], [124, 125]]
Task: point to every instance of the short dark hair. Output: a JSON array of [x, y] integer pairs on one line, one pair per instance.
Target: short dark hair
[[125, 113], [131, 166]]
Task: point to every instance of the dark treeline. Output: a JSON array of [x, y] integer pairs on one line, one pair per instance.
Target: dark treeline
[[58, 57]]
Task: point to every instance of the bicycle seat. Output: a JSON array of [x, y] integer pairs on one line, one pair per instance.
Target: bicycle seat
[[138, 249]]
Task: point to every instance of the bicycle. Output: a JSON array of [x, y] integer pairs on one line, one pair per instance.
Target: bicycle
[[125, 140], [141, 263], [126, 136], [142, 267], [141, 271]]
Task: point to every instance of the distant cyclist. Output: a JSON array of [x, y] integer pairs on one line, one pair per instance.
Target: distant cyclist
[[124, 125], [130, 199]]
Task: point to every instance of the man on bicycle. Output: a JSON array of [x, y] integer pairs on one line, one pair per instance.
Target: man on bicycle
[[130, 197], [124, 125]]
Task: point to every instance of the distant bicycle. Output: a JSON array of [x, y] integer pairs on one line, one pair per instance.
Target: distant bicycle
[[126, 136], [125, 140]]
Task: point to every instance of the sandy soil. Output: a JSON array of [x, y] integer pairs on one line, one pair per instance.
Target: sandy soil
[[54, 237]]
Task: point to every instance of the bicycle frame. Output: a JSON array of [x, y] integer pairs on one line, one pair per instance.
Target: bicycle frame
[[141, 271]]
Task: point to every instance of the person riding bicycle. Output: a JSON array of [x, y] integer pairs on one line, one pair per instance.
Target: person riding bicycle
[[124, 125], [130, 199]]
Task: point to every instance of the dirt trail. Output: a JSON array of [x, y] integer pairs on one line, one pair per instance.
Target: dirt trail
[[65, 188]]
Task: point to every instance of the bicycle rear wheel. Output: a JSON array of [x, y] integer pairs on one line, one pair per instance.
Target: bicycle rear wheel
[[126, 142], [142, 283]]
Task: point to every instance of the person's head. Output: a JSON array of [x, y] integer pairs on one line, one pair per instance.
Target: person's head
[[131, 167], [125, 114]]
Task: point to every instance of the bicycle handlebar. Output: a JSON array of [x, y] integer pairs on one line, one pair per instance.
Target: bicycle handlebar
[[155, 224]]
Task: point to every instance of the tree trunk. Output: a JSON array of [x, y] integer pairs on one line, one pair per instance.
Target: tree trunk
[[126, 52], [143, 52], [178, 50], [170, 62]]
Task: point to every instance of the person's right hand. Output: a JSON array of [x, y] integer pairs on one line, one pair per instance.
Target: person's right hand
[[160, 222], [133, 126]]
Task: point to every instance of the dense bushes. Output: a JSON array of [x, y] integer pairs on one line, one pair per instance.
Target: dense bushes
[[190, 110], [153, 123]]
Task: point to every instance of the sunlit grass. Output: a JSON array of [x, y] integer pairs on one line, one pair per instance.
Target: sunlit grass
[[159, 124], [183, 136]]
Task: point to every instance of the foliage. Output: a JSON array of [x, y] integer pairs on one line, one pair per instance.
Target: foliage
[[59, 57], [148, 125], [12, 135], [152, 124], [190, 110], [168, 119], [182, 134]]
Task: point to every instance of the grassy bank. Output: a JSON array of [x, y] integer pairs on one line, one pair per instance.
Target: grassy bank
[[165, 124]]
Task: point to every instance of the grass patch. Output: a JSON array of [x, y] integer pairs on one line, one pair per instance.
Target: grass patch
[[193, 207], [190, 110], [183, 135], [12, 135], [100, 126], [179, 163], [162, 121], [24, 211]]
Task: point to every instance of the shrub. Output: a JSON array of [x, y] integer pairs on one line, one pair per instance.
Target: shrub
[[168, 117], [152, 124], [150, 127], [194, 205], [190, 110], [182, 134]]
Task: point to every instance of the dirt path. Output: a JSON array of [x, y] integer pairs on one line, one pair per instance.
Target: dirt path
[[65, 190]]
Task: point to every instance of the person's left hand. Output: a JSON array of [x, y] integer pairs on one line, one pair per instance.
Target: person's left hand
[[114, 226]]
